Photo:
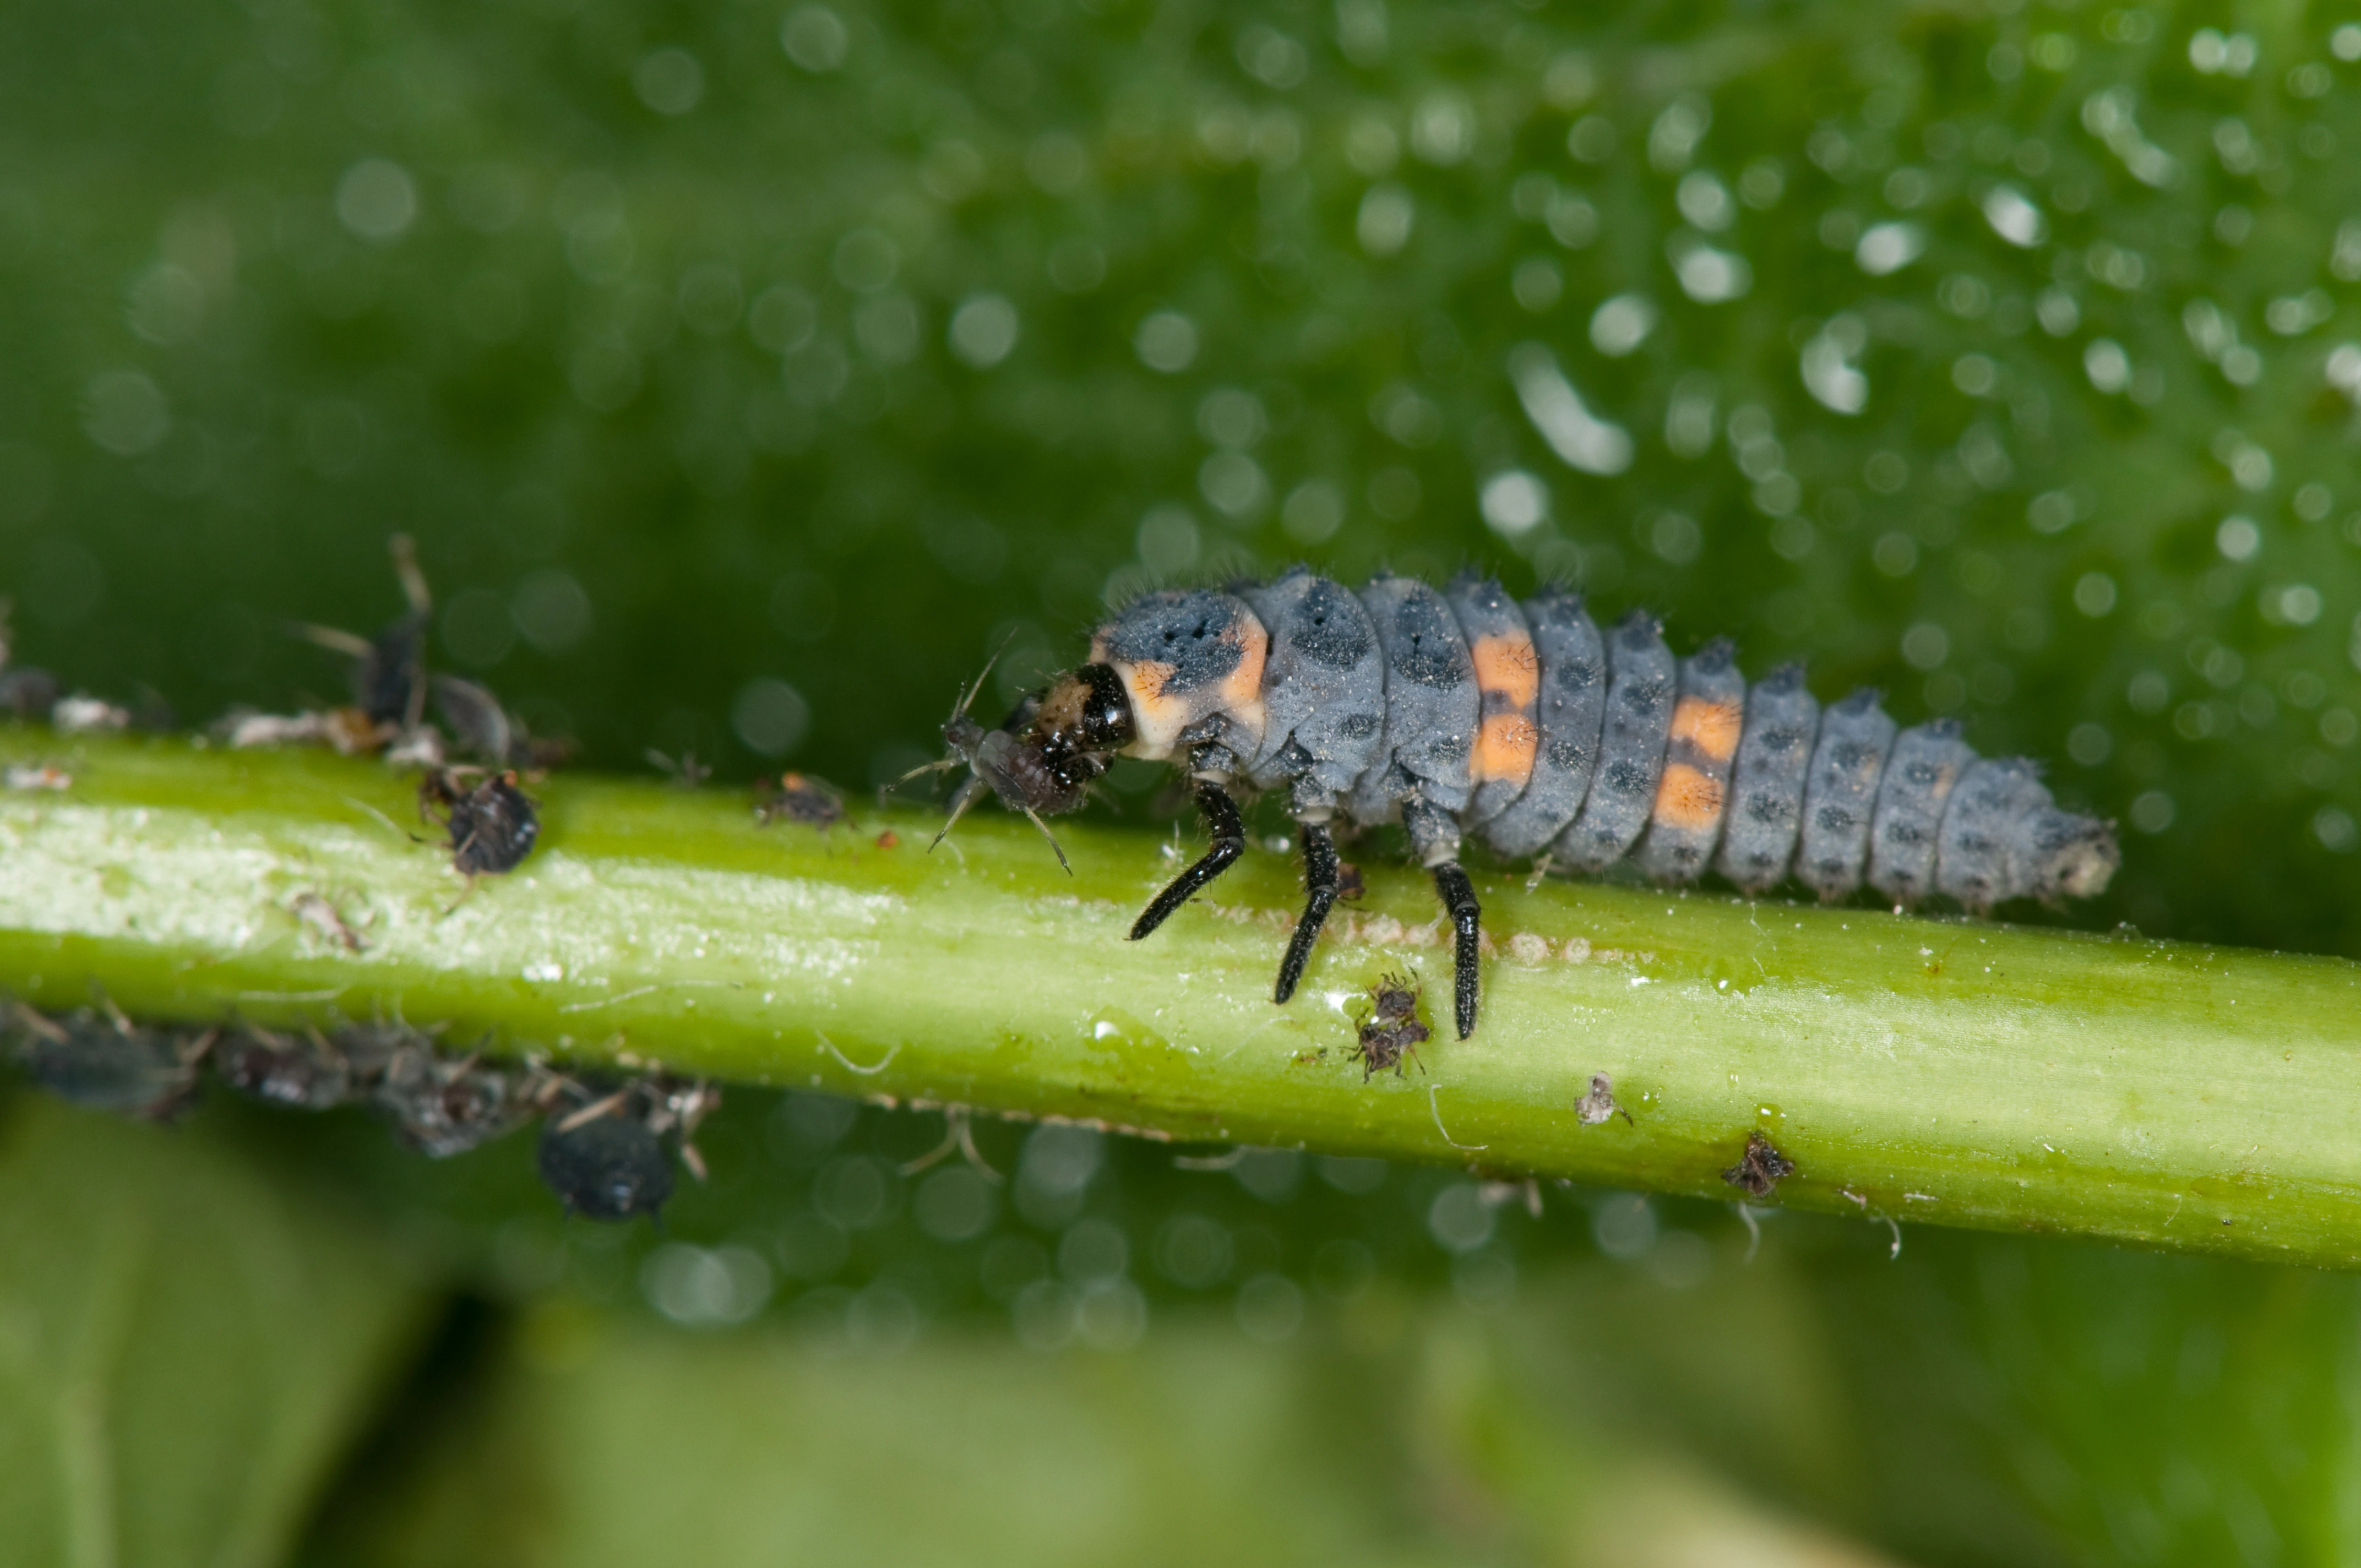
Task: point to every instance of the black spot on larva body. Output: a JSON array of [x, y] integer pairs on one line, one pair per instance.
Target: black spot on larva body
[[1360, 725], [1328, 627], [1428, 647], [1627, 778]]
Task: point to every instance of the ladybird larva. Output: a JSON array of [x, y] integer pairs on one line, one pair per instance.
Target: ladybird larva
[[1460, 711]]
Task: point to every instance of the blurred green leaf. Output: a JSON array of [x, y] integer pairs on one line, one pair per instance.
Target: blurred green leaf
[[186, 1343]]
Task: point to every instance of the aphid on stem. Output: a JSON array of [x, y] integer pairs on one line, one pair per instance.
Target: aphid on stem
[[801, 799], [1392, 1028], [492, 825]]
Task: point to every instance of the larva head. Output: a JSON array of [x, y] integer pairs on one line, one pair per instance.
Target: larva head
[[1046, 753]]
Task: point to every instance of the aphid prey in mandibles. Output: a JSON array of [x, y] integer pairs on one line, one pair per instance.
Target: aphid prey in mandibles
[[1460, 710]]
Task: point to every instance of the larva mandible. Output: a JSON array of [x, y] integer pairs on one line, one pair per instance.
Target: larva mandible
[[1460, 710]]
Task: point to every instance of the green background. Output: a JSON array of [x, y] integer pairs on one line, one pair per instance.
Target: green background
[[647, 323]]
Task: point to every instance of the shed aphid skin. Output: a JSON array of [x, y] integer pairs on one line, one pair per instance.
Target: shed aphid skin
[[445, 1107], [1464, 711]]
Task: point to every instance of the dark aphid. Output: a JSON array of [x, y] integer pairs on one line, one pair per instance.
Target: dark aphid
[[605, 1158], [801, 799], [1760, 1168], [305, 1072], [1391, 1029], [1464, 711], [444, 1106], [28, 693], [24, 692], [390, 670], [492, 825], [97, 1059]]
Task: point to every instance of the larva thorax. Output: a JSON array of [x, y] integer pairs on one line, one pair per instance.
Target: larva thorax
[[1461, 711]]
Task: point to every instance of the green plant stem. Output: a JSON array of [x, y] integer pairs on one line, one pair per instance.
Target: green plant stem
[[1942, 1072]]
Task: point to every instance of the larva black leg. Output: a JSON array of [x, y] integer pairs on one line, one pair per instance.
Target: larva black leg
[[1320, 893], [1459, 898], [1221, 814]]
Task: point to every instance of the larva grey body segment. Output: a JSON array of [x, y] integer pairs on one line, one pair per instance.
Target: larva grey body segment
[[1775, 760], [1508, 686], [1920, 774], [1976, 855], [1692, 796], [1631, 748], [1840, 795], [1573, 703], [1323, 690], [1430, 704]]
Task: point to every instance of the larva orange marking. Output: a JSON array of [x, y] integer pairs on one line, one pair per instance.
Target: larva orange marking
[[1688, 799], [1504, 748], [1712, 728], [1506, 666]]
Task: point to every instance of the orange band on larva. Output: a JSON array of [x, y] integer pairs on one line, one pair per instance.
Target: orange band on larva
[[1241, 692], [1504, 748], [1508, 667], [1712, 728], [1688, 799]]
